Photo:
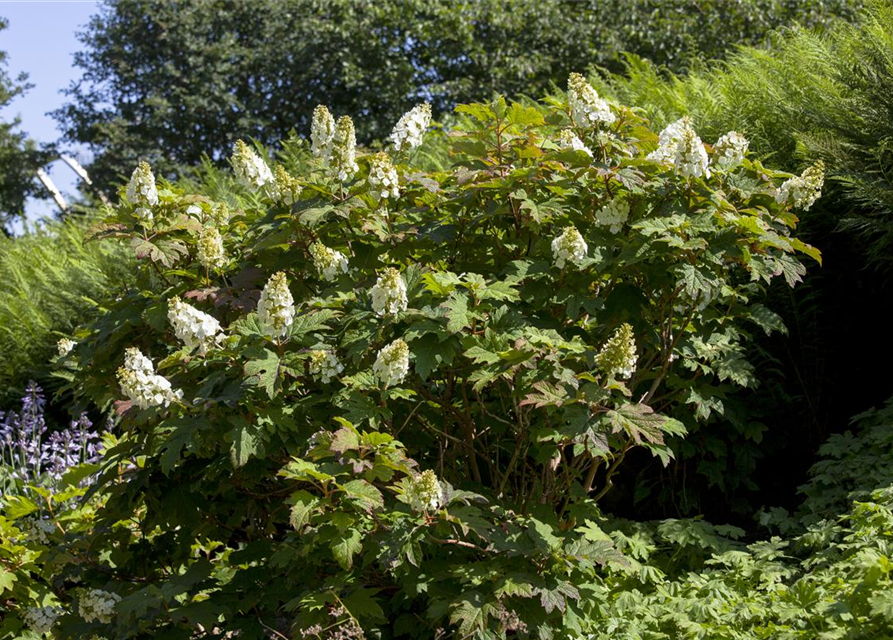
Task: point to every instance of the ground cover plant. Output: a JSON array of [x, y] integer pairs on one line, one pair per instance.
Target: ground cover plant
[[370, 400]]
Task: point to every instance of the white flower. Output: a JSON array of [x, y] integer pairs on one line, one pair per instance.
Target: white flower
[[729, 150], [668, 140], [389, 293], [567, 139], [383, 180], [691, 156], [805, 189], [423, 492], [343, 158], [65, 346], [322, 130], [195, 211], [569, 247], [284, 189], [276, 308], [392, 363], [141, 191], [36, 530], [587, 109], [618, 357], [211, 254], [193, 327], [250, 168], [324, 365], [328, 262], [410, 129], [98, 605], [613, 215], [41, 619], [140, 384]]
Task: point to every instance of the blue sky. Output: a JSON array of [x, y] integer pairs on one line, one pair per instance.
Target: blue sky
[[41, 40]]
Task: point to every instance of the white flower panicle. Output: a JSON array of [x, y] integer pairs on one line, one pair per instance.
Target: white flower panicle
[[329, 262], [567, 139], [424, 492], [322, 130], [613, 215], [343, 158], [276, 308], [587, 109], [569, 247], [36, 530], [324, 365], [96, 605], [196, 329], [65, 346], [805, 189], [250, 168], [389, 293], [383, 180], [618, 357], [691, 155], [140, 384], [729, 150], [285, 188], [141, 191], [210, 253], [41, 619], [410, 129], [392, 363], [668, 141]]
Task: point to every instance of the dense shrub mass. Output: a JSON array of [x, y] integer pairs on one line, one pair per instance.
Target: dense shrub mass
[[50, 282], [170, 82], [372, 400]]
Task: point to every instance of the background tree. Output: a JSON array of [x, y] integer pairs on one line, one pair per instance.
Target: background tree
[[172, 81], [19, 155]]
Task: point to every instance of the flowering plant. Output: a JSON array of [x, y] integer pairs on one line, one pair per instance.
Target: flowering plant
[[395, 415]]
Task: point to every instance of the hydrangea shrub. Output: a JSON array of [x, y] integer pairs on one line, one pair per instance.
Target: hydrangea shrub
[[388, 407]]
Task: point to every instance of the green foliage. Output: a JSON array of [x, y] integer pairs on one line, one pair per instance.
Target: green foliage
[[171, 82], [251, 492], [50, 283], [20, 156]]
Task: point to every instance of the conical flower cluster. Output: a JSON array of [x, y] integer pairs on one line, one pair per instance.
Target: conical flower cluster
[[613, 215], [322, 130], [424, 492], [142, 192], [210, 253], [587, 109], [392, 363], [41, 619], [343, 158], [389, 293], [250, 168], [567, 139], [276, 309], [804, 189], [329, 262], [140, 384], [618, 357], [324, 365], [96, 605], [668, 141], [410, 129], [691, 155], [729, 150], [65, 346], [569, 247], [285, 188], [196, 329], [383, 180]]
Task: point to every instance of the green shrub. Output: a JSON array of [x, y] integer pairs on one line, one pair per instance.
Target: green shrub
[[412, 431], [50, 282]]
